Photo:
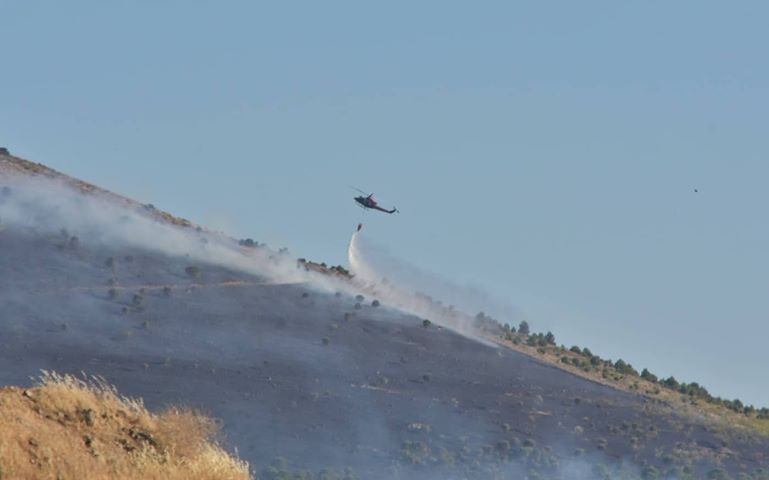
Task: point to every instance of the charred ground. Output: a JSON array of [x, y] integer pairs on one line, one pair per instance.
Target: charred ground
[[327, 381]]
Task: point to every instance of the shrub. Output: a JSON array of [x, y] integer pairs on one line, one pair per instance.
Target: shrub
[[671, 382], [340, 269], [375, 303], [650, 472], [625, 368], [414, 453], [696, 390], [718, 474], [359, 298], [426, 323]]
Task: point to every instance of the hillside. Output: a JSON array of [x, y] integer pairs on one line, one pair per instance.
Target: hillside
[[70, 428], [301, 373]]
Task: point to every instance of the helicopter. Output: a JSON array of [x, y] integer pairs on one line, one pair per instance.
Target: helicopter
[[367, 201]]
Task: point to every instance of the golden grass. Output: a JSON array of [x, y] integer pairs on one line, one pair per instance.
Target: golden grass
[[68, 428]]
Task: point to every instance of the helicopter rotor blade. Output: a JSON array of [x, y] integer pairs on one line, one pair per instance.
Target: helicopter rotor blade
[[361, 191]]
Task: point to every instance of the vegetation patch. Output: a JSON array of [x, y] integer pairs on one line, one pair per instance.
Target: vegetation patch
[[67, 428]]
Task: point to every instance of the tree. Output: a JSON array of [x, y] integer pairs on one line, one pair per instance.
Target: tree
[[649, 376], [524, 327], [550, 338], [671, 382]]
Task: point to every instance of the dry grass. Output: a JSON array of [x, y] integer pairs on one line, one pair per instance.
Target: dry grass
[[67, 428], [715, 416]]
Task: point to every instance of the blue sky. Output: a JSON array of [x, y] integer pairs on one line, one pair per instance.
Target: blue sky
[[546, 152]]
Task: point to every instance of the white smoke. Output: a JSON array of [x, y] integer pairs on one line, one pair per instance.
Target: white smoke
[[50, 206], [407, 287]]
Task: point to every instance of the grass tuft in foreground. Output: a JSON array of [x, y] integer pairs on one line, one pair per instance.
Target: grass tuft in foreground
[[68, 428]]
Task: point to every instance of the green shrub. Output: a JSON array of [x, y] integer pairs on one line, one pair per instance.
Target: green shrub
[[625, 368]]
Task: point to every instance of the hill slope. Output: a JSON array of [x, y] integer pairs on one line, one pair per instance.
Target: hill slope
[[295, 370], [68, 428]]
